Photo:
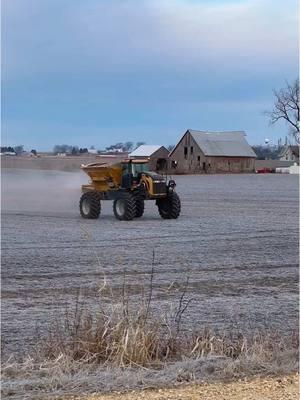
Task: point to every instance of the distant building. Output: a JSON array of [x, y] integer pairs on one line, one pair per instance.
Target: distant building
[[290, 153], [92, 151], [211, 152], [156, 154], [114, 152]]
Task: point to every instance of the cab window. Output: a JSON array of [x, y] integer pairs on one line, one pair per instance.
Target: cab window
[[139, 168], [125, 169]]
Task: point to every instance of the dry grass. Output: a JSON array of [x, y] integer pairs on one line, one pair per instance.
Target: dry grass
[[198, 358], [112, 337], [136, 335], [122, 345], [123, 340]]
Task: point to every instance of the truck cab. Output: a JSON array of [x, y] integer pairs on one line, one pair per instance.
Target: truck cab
[[132, 171]]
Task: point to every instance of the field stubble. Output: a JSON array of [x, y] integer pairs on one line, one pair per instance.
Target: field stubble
[[236, 241]]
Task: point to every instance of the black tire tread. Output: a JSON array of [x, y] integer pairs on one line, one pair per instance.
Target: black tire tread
[[140, 207], [95, 205], [130, 208], [173, 205]]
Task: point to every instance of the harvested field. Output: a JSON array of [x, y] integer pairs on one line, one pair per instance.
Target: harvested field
[[236, 239], [57, 163], [236, 242]]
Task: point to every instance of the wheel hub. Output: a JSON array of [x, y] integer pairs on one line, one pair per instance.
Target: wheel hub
[[120, 207], [86, 206]]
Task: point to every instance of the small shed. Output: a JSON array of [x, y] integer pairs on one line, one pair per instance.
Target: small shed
[[156, 154], [205, 152]]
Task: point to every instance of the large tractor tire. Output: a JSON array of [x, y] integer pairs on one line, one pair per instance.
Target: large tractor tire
[[125, 207], [90, 205], [170, 206], [139, 207]]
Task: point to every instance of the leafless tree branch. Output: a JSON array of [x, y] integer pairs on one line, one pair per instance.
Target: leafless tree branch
[[286, 107]]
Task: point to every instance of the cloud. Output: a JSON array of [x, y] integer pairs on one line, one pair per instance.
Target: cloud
[[62, 37], [127, 67]]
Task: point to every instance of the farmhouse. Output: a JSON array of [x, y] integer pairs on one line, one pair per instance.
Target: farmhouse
[[156, 154], [211, 152], [290, 153]]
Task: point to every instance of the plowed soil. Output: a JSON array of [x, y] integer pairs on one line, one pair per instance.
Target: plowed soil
[[236, 240]]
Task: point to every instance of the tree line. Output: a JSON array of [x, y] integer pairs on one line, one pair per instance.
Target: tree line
[[16, 149], [267, 152], [76, 150]]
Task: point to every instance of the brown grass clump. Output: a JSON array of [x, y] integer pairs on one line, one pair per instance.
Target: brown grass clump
[[138, 335], [261, 344], [112, 337]]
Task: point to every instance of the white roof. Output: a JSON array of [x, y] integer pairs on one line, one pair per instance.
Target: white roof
[[145, 150]]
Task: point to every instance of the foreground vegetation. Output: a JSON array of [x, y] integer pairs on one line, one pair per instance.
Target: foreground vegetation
[[141, 337], [120, 345]]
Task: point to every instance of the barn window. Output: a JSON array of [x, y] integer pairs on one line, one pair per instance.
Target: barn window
[[185, 151], [192, 149], [199, 159]]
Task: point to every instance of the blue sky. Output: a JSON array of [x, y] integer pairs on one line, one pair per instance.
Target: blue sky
[[96, 72]]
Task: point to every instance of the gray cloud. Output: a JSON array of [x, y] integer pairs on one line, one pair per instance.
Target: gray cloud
[[64, 37], [110, 69]]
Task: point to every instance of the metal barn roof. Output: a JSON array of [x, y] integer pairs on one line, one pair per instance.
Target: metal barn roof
[[230, 144], [145, 150]]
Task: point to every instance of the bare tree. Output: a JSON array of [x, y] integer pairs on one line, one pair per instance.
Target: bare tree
[[138, 144], [286, 107], [19, 149], [128, 146]]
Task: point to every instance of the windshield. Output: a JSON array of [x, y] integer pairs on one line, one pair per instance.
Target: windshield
[[139, 168]]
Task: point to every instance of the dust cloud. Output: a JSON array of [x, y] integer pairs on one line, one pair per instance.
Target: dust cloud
[[40, 191]]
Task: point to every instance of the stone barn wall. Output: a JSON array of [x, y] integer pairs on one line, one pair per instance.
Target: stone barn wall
[[191, 160], [188, 156], [230, 164]]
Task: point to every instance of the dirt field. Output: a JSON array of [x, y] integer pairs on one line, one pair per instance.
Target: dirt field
[[236, 239], [68, 163], [280, 388]]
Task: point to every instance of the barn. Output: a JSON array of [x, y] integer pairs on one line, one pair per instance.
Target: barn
[[212, 152], [156, 154]]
